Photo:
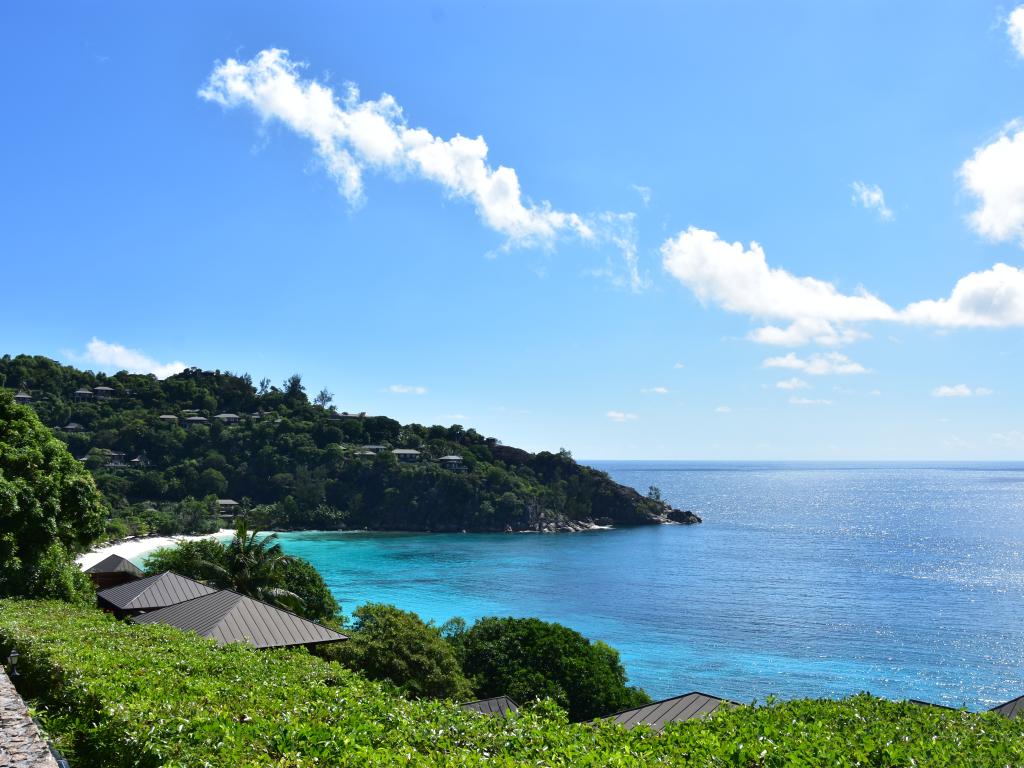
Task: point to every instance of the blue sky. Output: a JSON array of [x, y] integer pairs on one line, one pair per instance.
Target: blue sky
[[197, 183]]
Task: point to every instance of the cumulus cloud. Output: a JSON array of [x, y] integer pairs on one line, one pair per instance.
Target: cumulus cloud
[[807, 401], [817, 364], [655, 390], [1015, 28], [115, 356], [352, 135], [995, 175], [406, 389], [870, 196], [739, 279], [621, 416], [793, 383], [960, 390]]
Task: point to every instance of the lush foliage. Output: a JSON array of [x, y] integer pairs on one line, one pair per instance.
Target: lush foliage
[[529, 658], [396, 646], [120, 695], [300, 461], [253, 565], [49, 509]]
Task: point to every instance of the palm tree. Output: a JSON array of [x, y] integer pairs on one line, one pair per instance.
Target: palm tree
[[254, 566]]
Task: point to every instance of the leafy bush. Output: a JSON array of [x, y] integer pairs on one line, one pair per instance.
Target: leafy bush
[[396, 646], [119, 695], [49, 509], [529, 658]]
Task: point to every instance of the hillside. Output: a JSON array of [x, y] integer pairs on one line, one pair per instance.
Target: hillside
[[163, 451]]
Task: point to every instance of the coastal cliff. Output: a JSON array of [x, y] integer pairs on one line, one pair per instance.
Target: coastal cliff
[[176, 455]]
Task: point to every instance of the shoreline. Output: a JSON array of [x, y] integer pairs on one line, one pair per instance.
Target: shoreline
[[137, 546]]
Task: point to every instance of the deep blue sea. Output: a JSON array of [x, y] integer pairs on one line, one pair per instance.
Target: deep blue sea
[[805, 579]]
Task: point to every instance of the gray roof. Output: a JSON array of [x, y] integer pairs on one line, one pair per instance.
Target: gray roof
[[169, 416], [452, 457], [167, 588], [501, 706], [229, 617], [116, 564], [226, 416], [22, 393], [196, 418], [227, 502], [1011, 709], [675, 710], [406, 452], [83, 391], [102, 389]]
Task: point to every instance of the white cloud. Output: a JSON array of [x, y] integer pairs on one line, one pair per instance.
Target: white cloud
[[960, 390], [644, 192], [678, 366], [406, 389], [793, 383], [807, 331], [723, 409], [875, 393], [995, 175], [115, 356], [740, 280], [655, 390], [1015, 28], [351, 136], [621, 416], [807, 401], [818, 364], [1010, 439], [870, 196]]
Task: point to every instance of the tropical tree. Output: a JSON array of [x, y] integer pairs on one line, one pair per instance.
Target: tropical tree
[[254, 565]]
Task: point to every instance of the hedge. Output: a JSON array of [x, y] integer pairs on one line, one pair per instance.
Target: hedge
[[119, 695]]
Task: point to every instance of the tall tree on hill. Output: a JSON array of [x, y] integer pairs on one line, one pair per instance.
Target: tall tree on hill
[[255, 565]]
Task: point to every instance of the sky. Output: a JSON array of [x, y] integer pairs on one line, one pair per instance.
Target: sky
[[636, 230]]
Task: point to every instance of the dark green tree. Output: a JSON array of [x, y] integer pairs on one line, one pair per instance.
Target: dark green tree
[[386, 643], [528, 659], [50, 509]]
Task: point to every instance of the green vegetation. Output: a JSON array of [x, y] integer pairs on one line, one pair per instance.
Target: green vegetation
[[301, 464], [49, 510], [118, 695], [251, 564], [397, 646], [529, 659]]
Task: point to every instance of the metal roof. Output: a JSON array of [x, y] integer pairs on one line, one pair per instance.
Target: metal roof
[[499, 706], [675, 710], [116, 564], [229, 617], [1011, 709], [167, 588], [83, 391], [102, 389], [452, 457], [406, 451]]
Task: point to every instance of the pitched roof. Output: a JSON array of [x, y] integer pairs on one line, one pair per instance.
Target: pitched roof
[[406, 451], [675, 710], [501, 706], [451, 457], [167, 588], [116, 564], [229, 617], [1011, 709]]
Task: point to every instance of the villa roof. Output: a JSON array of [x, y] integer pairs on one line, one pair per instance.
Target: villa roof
[[83, 391], [226, 416], [1011, 709], [451, 457], [169, 416], [406, 451], [675, 710], [22, 393], [227, 502], [196, 418], [116, 564], [499, 706], [72, 425], [160, 591], [229, 617], [102, 389], [368, 447]]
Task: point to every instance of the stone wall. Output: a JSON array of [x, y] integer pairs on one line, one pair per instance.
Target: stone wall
[[21, 746]]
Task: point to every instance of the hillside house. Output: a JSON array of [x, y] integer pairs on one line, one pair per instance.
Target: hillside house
[[23, 397], [406, 455], [103, 393], [81, 395]]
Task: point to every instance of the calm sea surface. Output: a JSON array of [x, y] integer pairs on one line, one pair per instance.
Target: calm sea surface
[[805, 579]]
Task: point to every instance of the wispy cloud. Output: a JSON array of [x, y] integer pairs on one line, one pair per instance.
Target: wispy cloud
[[819, 364], [807, 401], [655, 390], [406, 389], [352, 136], [644, 192], [870, 196], [794, 383], [120, 358], [960, 390], [723, 409], [620, 416], [679, 366]]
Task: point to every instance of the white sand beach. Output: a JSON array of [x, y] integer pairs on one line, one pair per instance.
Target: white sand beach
[[133, 549]]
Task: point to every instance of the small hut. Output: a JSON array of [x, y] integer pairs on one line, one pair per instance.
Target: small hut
[[112, 571]]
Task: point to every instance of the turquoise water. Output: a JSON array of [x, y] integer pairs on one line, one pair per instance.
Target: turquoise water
[[804, 580]]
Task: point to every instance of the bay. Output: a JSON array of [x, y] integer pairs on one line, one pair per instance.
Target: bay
[[805, 579]]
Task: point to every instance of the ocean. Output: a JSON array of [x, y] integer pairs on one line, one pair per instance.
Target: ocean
[[805, 580]]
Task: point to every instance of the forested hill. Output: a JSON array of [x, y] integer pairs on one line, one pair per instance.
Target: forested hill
[[163, 452]]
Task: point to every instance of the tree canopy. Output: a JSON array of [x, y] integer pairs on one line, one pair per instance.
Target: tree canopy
[[49, 509]]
